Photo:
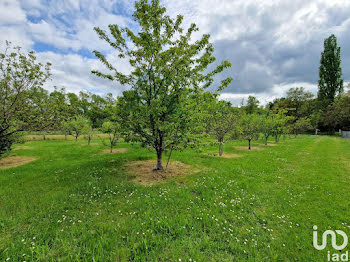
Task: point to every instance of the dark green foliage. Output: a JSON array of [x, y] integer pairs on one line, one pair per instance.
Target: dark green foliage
[[5, 144], [252, 105], [338, 114], [330, 83]]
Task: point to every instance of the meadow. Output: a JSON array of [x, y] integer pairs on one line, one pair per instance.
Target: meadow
[[74, 203]]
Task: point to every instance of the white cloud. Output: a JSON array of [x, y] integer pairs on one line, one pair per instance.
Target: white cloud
[[266, 97], [272, 45], [11, 12], [74, 73], [48, 33]]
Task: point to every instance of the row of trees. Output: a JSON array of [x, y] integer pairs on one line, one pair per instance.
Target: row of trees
[[166, 105]]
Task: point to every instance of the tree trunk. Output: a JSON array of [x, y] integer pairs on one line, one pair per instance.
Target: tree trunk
[[76, 139], [276, 138], [249, 144], [221, 148], [159, 160], [89, 140], [266, 138], [111, 151], [44, 136]]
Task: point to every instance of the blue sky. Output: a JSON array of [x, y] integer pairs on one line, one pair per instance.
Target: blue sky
[[272, 45]]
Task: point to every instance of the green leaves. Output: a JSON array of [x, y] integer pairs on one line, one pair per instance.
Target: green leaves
[[167, 69], [21, 81], [250, 126], [330, 72]]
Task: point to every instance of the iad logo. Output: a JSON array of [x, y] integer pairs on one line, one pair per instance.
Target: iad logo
[[335, 256]]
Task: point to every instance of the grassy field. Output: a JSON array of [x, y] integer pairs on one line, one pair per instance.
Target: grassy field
[[75, 204]]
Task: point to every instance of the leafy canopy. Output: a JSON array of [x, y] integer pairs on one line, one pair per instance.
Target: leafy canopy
[[330, 72], [167, 68]]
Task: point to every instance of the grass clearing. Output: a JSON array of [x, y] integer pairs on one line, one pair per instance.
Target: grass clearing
[[74, 203]]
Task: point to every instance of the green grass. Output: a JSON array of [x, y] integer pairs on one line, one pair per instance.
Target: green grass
[[75, 204]]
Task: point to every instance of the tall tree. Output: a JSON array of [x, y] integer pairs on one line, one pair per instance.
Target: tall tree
[[167, 68], [330, 72]]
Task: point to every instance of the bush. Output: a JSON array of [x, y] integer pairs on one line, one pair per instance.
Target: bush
[[5, 144]]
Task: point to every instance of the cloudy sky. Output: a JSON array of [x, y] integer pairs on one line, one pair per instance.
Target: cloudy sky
[[273, 45]]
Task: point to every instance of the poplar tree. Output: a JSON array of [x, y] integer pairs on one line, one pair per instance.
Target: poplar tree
[[330, 83]]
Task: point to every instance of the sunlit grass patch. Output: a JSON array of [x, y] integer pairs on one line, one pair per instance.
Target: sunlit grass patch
[[13, 161]]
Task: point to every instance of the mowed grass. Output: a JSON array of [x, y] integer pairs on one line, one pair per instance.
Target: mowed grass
[[75, 204]]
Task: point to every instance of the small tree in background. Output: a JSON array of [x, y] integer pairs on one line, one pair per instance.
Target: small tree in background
[[301, 125], [114, 132], [66, 129], [249, 126], [330, 83], [89, 133], [222, 120], [78, 126], [267, 127], [279, 124], [252, 106]]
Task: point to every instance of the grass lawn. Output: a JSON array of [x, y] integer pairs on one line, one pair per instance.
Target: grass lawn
[[74, 203]]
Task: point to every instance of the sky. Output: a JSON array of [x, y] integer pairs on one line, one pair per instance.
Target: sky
[[273, 45]]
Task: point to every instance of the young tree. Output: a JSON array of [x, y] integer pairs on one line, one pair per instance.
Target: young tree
[[114, 131], [222, 120], [20, 78], [89, 132], [267, 127], [78, 126], [167, 68], [279, 124], [250, 125], [301, 125], [65, 128], [330, 72]]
